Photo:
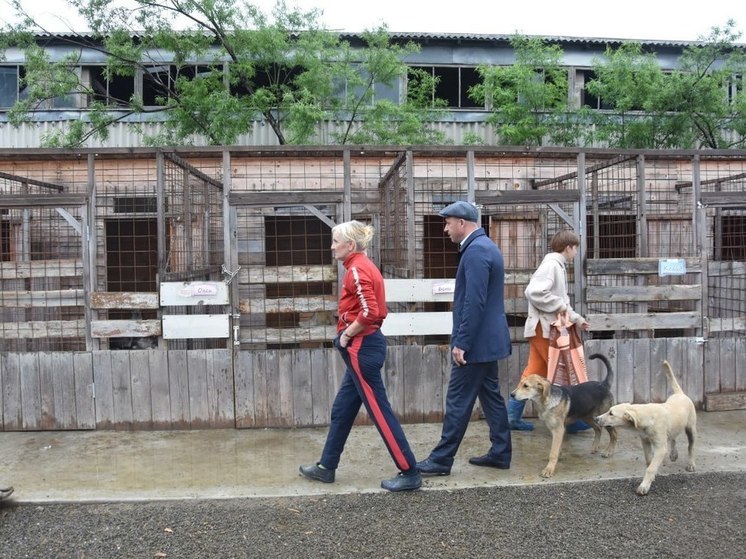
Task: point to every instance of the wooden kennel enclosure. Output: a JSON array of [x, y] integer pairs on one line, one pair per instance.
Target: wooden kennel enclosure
[[194, 288]]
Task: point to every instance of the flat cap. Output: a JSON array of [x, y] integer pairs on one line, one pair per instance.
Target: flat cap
[[461, 210]]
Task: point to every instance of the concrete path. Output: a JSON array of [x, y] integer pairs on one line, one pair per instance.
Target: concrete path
[[101, 466]]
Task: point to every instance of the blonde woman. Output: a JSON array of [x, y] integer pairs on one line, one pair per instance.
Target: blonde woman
[[362, 309]]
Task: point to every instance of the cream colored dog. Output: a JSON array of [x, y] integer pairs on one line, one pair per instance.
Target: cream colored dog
[[658, 426]]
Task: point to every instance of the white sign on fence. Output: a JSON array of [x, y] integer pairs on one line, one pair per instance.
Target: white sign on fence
[[181, 326], [671, 267], [178, 293]]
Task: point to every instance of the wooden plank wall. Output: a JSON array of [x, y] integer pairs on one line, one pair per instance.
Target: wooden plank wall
[[199, 389]]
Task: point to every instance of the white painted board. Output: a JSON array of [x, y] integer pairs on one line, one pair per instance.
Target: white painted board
[[179, 293], [182, 326]]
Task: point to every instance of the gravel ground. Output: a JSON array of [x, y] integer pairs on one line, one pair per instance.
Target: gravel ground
[[688, 515]]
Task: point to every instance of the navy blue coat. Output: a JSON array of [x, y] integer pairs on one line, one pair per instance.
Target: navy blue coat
[[479, 324]]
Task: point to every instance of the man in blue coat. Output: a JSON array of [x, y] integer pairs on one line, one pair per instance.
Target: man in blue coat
[[480, 337]]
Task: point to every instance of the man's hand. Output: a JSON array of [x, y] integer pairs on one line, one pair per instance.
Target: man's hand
[[458, 356]]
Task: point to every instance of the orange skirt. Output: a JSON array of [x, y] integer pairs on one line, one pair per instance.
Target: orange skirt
[[538, 354]]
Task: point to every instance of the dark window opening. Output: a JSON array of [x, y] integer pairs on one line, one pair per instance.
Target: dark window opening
[[587, 99], [9, 82], [111, 91], [733, 237], [4, 241], [469, 78], [617, 236], [453, 84], [135, 204], [131, 255], [158, 83], [297, 241]]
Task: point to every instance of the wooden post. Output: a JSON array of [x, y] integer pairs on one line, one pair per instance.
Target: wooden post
[[642, 230], [410, 228], [89, 244], [699, 215], [579, 225]]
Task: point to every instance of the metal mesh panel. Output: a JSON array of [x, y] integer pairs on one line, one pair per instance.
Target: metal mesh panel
[[724, 180], [288, 279], [42, 300], [193, 208]]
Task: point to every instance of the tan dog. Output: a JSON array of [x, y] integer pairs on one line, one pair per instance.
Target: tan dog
[[658, 426], [559, 405]]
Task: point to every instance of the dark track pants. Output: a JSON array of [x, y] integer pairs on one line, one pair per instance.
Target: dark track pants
[[469, 382], [362, 385]]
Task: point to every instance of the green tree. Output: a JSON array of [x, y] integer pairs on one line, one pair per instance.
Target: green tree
[[528, 99], [690, 107], [217, 66]]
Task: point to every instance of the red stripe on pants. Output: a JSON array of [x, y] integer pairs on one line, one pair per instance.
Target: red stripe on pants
[[378, 417]]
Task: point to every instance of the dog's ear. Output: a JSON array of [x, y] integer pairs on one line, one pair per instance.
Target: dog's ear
[[546, 388], [631, 416]]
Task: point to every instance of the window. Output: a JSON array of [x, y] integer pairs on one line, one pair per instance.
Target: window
[[114, 91], [11, 85], [4, 241], [158, 82], [735, 87], [587, 99], [453, 83], [617, 236], [732, 238]]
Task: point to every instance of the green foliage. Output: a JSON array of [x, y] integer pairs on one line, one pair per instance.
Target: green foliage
[[285, 70], [529, 98], [686, 108]]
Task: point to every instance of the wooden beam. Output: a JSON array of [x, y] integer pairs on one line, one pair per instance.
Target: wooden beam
[[633, 266], [44, 329], [284, 198], [64, 268], [42, 200], [629, 293], [725, 401], [125, 328], [287, 274], [497, 197], [629, 322], [34, 299], [124, 300]]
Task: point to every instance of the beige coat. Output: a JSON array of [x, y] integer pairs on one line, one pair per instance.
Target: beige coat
[[547, 295]]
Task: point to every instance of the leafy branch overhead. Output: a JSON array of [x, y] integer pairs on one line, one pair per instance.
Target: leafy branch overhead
[[216, 67], [215, 70]]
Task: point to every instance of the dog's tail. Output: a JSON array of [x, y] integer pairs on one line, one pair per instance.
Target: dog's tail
[[672, 378], [609, 371]]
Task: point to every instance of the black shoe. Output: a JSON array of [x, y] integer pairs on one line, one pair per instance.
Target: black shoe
[[489, 462], [430, 467], [313, 471], [5, 492], [403, 482]]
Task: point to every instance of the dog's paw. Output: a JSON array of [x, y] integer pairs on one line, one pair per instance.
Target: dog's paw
[[690, 468], [547, 472], [606, 453], [643, 489]]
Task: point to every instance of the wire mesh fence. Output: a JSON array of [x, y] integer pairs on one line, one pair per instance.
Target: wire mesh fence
[[157, 218]]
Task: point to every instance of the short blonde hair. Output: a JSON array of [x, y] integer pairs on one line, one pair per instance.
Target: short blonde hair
[[359, 233]]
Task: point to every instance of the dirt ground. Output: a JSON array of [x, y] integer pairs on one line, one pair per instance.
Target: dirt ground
[[685, 515]]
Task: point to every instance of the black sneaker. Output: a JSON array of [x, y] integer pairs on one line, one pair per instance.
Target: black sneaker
[[489, 462], [313, 471], [430, 467], [403, 482]]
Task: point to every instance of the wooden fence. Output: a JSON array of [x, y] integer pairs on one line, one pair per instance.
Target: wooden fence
[[187, 389]]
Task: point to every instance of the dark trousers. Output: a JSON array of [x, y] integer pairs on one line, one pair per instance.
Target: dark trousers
[[362, 385], [469, 382]]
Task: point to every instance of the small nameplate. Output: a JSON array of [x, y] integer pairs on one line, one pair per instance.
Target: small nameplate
[[444, 288], [671, 267]]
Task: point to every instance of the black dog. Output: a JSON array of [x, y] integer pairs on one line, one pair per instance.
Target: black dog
[[559, 405]]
